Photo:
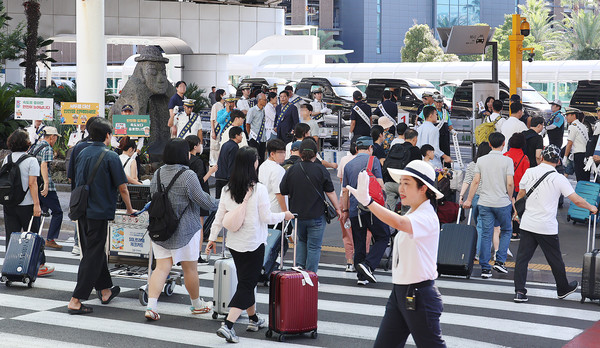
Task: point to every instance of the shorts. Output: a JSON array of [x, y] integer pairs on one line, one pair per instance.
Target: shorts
[[189, 252]]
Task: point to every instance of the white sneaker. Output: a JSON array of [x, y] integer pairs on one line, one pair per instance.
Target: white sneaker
[[350, 268], [509, 253], [227, 334], [362, 282], [256, 325], [76, 250]]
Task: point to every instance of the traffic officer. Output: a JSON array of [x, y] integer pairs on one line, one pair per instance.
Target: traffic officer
[[273, 88], [188, 122], [444, 123], [243, 104], [388, 108], [555, 125], [319, 107], [427, 98]]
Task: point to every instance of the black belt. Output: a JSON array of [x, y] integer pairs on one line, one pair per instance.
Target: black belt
[[422, 284]]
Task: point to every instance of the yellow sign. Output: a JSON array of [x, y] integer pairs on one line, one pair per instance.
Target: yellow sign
[[78, 113]]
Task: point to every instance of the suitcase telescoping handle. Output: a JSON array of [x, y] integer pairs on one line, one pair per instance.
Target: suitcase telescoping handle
[[591, 234], [284, 227], [43, 218], [458, 217]]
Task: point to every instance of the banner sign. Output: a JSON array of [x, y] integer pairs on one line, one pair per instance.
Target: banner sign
[[78, 113], [131, 125], [34, 109]]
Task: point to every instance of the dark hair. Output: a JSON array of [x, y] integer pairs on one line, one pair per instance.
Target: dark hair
[[357, 95], [498, 105], [482, 150], [234, 132], [100, 128], [289, 88], [428, 110], [401, 128], [275, 145], [300, 130], [243, 174], [426, 148], [429, 193], [235, 113], [219, 94], [126, 143], [18, 141], [376, 131], [176, 152], [515, 107], [515, 98], [180, 82], [213, 87], [387, 94], [353, 149], [307, 106], [271, 95], [517, 141], [410, 134], [496, 139], [308, 149], [536, 121], [192, 141], [284, 91], [487, 100]]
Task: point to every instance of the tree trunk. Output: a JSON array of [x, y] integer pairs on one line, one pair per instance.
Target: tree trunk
[[32, 14]]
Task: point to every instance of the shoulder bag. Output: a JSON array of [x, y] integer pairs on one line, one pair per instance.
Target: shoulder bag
[[520, 203]]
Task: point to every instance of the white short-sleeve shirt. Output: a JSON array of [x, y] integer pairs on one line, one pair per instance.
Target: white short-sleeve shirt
[[270, 174], [541, 206], [243, 104], [29, 167], [415, 256], [509, 127], [576, 135], [181, 119]]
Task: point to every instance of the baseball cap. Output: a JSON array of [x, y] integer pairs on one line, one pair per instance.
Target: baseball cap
[[51, 131], [551, 153], [296, 145], [364, 141]]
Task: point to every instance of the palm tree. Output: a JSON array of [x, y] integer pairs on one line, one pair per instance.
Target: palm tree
[[32, 14], [578, 38], [327, 42]]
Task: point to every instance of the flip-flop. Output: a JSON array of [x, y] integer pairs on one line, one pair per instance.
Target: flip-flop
[[82, 310], [114, 291]]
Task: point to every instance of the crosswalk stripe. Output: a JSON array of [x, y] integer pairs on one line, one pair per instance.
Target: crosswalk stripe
[[12, 340]]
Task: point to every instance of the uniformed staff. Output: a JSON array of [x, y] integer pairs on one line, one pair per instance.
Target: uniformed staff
[[319, 107], [388, 108], [294, 99], [360, 118], [243, 104], [555, 125], [444, 123], [188, 122], [427, 98]]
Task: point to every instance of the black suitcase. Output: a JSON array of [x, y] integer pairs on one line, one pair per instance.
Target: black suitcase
[[23, 257], [456, 250], [590, 275]]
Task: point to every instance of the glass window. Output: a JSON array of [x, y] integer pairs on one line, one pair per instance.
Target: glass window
[[378, 43]]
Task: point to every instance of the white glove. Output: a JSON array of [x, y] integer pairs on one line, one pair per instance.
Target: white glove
[[361, 192], [453, 131], [350, 135], [326, 110], [589, 163], [565, 160]]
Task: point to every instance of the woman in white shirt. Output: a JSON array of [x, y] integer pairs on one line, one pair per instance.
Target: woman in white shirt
[[128, 146], [247, 244], [415, 304]]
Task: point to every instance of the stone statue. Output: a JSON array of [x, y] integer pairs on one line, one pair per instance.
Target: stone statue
[[148, 90]]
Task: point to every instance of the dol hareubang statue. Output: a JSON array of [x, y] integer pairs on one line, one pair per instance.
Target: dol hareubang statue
[[148, 90]]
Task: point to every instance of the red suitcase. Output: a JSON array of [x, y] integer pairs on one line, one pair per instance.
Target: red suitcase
[[293, 301]]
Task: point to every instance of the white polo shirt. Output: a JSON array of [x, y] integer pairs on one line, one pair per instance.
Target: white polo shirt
[[578, 135], [270, 174], [415, 256], [541, 206]]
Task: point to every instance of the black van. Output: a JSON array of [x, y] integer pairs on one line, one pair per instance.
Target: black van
[[258, 83], [586, 97]]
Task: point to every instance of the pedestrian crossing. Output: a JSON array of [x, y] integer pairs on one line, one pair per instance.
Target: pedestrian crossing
[[476, 313]]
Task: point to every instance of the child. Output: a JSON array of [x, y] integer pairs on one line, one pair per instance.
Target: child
[[428, 153]]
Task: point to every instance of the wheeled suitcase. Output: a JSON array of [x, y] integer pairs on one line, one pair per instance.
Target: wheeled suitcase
[[293, 300], [590, 275], [23, 256], [456, 250], [590, 191]]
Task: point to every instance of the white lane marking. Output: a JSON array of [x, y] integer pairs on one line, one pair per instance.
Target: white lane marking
[[12, 340]]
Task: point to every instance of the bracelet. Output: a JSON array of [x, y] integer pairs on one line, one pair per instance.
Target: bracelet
[[344, 210]]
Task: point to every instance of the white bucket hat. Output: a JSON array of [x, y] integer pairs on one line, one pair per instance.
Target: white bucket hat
[[420, 170]]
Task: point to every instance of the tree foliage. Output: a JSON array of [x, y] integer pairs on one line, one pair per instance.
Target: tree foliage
[[578, 36], [327, 42], [196, 93], [421, 46]]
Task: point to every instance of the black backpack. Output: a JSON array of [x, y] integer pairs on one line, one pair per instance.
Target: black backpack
[[163, 220], [397, 158], [11, 186]]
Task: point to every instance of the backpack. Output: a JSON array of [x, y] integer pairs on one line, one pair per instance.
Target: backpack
[[163, 220], [397, 158], [483, 131], [375, 190], [11, 186]]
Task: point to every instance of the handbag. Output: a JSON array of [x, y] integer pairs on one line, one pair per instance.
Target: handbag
[[330, 212], [520, 203], [234, 219], [79, 197]]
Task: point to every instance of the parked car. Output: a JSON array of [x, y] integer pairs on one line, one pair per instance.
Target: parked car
[[586, 97], [259, 82]]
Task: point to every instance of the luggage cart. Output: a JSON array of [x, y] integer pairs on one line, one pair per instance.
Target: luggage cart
[[129, 250]]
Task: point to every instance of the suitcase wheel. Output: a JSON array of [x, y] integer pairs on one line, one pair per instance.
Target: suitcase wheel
[[215, 315], [468, 276], [281, 338], [269, 334], [8, 283], [143, 297], [27, 281], [169, 288], [314, 334]]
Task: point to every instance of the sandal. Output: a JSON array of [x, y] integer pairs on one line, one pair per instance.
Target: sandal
[[82, 310], [151, 314], [204, 309], [114, 291]]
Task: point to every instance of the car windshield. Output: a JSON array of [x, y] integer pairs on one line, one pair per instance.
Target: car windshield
[[419, 91], [531, 96], [345, 91]]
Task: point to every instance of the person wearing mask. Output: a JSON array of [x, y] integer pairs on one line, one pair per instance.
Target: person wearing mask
[[286, 118], [93, 225], [360, 119], [576, 144], [539, 225], [513, 124], [415, 304], [270, 114], [214, 134], [255, 126], [555, 125], [306, 184], [534, 142], [128, 148], [186, 198], [17, 218], [429, 134], [175, 104], [226, 157], [247, 245]]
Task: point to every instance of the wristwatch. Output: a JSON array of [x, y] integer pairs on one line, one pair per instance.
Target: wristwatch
[[344, 210]]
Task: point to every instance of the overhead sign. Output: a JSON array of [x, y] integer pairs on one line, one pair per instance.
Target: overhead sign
[[465, 39], [78, 113], [34, 109], [131, 125]]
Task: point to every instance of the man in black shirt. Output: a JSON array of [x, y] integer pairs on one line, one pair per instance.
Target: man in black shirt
[[226, 159], [388, 108], [360, 118], [399, 156], [377, 135], [534, 141]]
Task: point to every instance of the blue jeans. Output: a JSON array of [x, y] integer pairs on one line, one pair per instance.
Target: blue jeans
[[488, 217], [310, 237], [52, 203]]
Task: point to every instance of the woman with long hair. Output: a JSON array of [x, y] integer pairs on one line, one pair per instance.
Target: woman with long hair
[[247, 244], [488, 108], [128, 148], [415, 304]]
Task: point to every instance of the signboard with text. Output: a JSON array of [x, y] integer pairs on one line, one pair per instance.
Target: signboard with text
[[78, 113], [131, 125], [34, 109]]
